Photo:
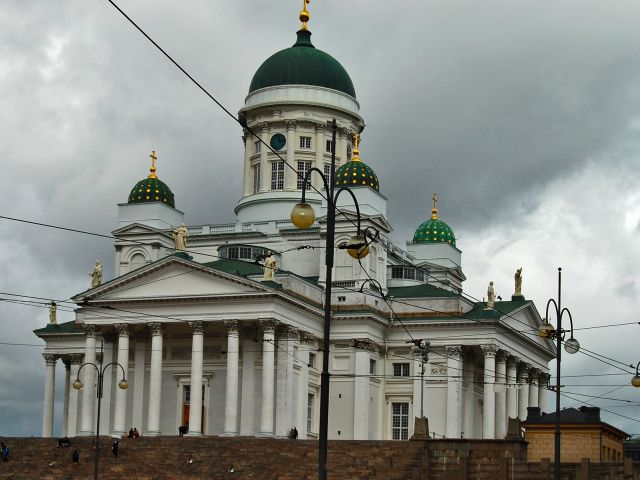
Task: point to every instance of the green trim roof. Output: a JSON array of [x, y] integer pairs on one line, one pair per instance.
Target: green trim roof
[[152, 190], [500, 309], [356, 173], [419, 291], [302, 64], [434, 230], [60, 328]]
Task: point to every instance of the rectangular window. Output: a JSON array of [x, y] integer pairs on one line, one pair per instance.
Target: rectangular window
[[400, 421], [327, 174], [233, 252], [303, 169], [277, 175], [312, 360], [258, 146], [256, 178], [328, 147], [420, 275], [245, 253], [372, 367], [400, 369], [397, 272], [310, 401], [409, 274], [305, 142]]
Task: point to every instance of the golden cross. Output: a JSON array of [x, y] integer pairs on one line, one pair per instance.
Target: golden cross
[[356, 141], [304, 14], [153, 164], [435, 201]]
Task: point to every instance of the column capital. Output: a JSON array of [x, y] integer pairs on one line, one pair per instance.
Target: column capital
[[122, 329], [305, 337], [50, 358], [66, 361], [320, 128], [197, 327], [523, 370], [287, 331], [264, 127], [512, 361], [76, 358], [232, 326], [90, 330], [364, 344], [489, 350], [534, 375], [291, 125], [268, 324], [501, 356], [156, 328], [454, 351]]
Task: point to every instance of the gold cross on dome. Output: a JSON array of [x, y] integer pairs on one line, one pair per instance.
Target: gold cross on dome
[[153, 164], [434, 212], [356, 141]]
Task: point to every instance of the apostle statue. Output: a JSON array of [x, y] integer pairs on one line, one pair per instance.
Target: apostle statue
[[491, 297], [96, 275], [52, 313], [180, 235], [518, 280], [269, 267]]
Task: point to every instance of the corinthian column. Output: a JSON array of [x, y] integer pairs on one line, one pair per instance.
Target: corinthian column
[[501, 395], [454, 391], [533, 387], [268, 358], [489, 405], [120, 414], [88, 379], [155, 379], [197, 358], [290, 177], [65, 401], [72, 426], [512, 389], [523, 396], [265, 173], [233, 364], [49, 390]]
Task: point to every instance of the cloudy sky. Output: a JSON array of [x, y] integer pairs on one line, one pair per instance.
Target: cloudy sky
[[523, 116]]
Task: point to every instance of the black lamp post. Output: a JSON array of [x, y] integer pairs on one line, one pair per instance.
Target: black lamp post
[[571, 345], [303, 216], [77, 384]]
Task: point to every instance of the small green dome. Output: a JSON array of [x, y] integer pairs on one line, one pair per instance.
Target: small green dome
[[356, 173], [434, 230], [303, 64], [152, 189]]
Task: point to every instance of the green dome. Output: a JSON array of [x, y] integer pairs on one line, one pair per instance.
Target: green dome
[[152, 190], [303, 64], [356, 173], [434, 230]]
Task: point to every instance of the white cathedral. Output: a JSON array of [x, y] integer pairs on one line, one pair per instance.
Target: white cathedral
[[208, 340]]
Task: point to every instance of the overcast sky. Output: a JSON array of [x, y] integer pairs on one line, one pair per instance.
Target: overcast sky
[[522, 116]]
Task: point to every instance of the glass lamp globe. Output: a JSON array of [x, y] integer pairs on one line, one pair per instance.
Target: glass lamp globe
[[123, 384], [572, 345], [635, 381], [358, 253], [77, 384], [546, 330], [302, 215]]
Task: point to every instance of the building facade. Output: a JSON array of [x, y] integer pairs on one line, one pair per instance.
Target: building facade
[[210, 340]]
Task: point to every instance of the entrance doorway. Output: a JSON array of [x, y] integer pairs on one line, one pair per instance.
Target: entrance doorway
[[186, 400]]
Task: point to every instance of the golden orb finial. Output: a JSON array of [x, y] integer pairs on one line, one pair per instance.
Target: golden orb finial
[[434, 212], [304, 14], [153, 164], [356, 148]]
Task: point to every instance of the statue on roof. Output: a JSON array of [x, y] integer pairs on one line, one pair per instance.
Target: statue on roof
[[491, 297], [269, 267], [96, 275], [518, 280], [180, 235], [52, 313]]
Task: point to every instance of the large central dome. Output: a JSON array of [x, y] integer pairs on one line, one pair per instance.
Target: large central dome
[[303, 64]]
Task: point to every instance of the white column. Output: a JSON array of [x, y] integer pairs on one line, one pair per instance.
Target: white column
[[454, 391], [319, 163], [501, 396], [542, 391], [65, 402], [248, 141], [533, 388], [197, 356], [49, 390], [247, 407], [265, 173], [72, 426], [284, 381], [231, 400], [523, 396], [120, 415], [469, 395], [362, 395], [268, 346], [489, 400], [303, 385], [512, 387], [290, 177], [155, 380], [107, 385], [139, 359], [89, 375], [343, 138]]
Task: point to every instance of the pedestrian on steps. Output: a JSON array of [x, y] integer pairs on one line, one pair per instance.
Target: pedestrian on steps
[[114, 447], [4, 452]]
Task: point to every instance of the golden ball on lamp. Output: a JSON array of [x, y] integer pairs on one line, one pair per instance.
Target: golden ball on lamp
[[302, 215], [359, 252]]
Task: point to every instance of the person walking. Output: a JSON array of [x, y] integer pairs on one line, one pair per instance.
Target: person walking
[[4, 452], [75, 456], [114, 447]]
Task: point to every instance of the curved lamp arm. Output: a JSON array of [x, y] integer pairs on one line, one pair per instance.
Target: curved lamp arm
[[306, 180], [555, 306], [570, 318], [355, 202], [374, 281]]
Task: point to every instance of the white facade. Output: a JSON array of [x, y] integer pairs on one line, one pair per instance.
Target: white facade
[[205, 341]]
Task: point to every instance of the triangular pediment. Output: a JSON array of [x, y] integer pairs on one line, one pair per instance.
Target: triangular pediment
[[136, 229], [171, 278], [527, 320]]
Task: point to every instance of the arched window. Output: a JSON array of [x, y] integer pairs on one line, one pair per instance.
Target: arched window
[[137, 261]]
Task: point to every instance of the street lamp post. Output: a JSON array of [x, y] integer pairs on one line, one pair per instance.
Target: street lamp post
[[421, 348], [571, 346], [303, 216], [77, 384]]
